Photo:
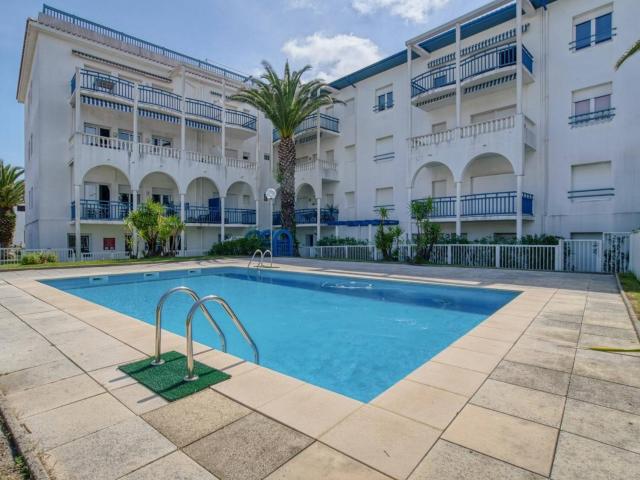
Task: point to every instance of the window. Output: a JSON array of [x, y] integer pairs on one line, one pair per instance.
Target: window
[[438, 127], [246, 156], [161, 141], [592, 28], [384, 99], [127, 135], [495, 114], [384, 149], [384, 198], [109, 243], [30, 148], [231, 154], [100, 135], [85, 242], [267, 157], [591, 105], [591, 180]]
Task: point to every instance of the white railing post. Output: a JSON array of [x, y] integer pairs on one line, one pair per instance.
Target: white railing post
[[599, 259], [560, 256], [497, 256], [449, 248]]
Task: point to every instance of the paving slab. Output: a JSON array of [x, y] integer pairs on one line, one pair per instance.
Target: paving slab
[[422, 403], [310, 409], [458, 357], [447, 377], [520, 442], [175, 466], [189, 419], [138, 398], [607, 366], [607, 394], [15, 359], [111, 377], [534, 405], [69, 422], [108, 453], [580, 458], [613, 427], [537, 378], [320, 462], [37, 376], [248, 449], [453, 462], [383, 440], [53, 395], [559, 360]]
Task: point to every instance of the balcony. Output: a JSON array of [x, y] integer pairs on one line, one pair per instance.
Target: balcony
[[102, 85], [98, 211], [592, 117], [482, 206], [309, 216], [488, 69], [308, 168], [328, 124]]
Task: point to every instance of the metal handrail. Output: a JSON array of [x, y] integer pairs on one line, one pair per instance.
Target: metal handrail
[[223, 341], [263, 257], [191, 376], [253, 257]]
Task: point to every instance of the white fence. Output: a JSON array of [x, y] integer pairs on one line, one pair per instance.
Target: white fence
[[609, 255], [634, 253], [10, 256]]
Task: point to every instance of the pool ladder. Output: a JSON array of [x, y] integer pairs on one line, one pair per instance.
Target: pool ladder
[[262, 254], [199, 303]]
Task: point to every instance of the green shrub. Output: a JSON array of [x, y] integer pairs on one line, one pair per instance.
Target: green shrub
[[239, 246], [38, 258], [332, 241]]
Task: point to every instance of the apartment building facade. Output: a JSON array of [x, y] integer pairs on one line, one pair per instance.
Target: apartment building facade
[[511, 117]]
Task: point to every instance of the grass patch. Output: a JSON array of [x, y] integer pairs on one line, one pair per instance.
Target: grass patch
[[167, 380], [631, 287], [93, 263]]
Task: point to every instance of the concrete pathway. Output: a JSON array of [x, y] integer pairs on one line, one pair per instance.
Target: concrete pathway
[[517, 397]]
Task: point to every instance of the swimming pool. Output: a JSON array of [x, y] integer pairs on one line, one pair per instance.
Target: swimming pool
[[351, 335]]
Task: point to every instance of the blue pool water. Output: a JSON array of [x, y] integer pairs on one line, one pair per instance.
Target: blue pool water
[[354, 336]]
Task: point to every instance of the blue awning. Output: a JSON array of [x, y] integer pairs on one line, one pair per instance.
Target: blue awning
[[202, 126], [158, 116], [98, 102], [362, 223]]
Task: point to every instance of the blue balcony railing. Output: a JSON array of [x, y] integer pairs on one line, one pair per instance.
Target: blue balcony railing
[[139, 43], [584, 118], [309, 216], [201, 214], [104, 83], [327, 122], [203, 109], [101, 210], [241, 119], [482, 205], [239, 216], [160, 98], [482, 62]]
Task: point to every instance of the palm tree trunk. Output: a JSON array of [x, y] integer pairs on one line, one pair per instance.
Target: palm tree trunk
[[7, 227], [287, 167]]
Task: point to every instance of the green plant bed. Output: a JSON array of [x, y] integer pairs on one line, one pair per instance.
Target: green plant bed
[[167, 380]]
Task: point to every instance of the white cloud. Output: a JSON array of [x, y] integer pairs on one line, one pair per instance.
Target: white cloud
[[302, 4], [332, 56], [416, 11]]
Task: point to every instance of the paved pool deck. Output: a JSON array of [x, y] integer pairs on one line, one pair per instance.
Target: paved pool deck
[[518, 397]]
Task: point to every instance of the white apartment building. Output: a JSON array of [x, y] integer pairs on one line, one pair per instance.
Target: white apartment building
[[511, 117]]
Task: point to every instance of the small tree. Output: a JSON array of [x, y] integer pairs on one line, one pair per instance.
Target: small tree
[[427, 232], [152, 225], [170, 228], [385, 238], [11, 195]]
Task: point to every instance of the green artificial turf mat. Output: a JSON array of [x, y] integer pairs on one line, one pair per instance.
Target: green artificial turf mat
[[167, 380]]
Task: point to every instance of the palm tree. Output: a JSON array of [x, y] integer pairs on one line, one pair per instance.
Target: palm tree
[[11, 195], [286, 101], [635, 48]]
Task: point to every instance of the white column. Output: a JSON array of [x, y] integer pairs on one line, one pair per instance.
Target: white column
[[370, 234], [519, 206], [77, 116], [410, 75], [336, 232], [183, 120], [518, 57], [223, 133], [458, 209], [222, 219], [182, 219], [458, 80], [134, 234], [257, 210], [76, 199], [410, 222], [318, 200]]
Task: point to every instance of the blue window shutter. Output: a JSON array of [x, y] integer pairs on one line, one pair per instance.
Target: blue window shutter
[[381, 104], [583, 35], [603, 28], [389, 99]]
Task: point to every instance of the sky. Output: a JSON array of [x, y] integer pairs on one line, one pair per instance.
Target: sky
[[335, 37]]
